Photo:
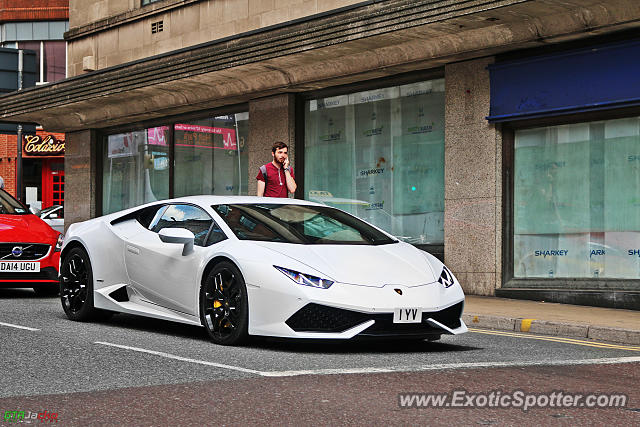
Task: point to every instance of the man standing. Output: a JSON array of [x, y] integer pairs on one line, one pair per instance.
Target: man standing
[[275, 179]]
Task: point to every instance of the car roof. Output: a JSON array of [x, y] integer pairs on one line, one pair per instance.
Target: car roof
[[219, 200]]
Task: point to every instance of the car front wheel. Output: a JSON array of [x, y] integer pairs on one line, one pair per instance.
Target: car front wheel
[[224, 308], [76, 286]]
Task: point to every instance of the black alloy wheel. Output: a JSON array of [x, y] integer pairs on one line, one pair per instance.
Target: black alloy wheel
[[224, 307], [76, 286]]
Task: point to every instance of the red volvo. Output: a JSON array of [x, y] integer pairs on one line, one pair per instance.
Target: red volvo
[[29, 249]]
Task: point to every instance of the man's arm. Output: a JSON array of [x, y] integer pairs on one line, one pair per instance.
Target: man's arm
[[261, 185], [291, 183]]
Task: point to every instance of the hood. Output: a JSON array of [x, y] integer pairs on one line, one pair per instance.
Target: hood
[[393, 264], [26, 228]]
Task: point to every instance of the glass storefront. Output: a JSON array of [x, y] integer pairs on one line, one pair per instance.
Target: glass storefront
[[379, 155], [135, 168], [210, 158], [577, 201]]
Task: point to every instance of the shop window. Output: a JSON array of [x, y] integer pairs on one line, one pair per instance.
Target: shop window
[[34, 46], [51, 57], [577, 201], [55, 53], [135, 168], [211, 156], [379, 155]]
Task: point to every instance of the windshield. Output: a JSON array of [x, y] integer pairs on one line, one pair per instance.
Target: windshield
[[299, 224], [9, 205]]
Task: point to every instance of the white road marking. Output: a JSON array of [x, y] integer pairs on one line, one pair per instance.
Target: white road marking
[[470, 365], [375, 370], [11, 325], [183, 359]]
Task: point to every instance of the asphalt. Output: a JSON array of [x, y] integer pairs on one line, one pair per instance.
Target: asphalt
[[538, 317]]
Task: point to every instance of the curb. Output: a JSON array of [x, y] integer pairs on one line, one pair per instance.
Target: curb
[[573, 330]]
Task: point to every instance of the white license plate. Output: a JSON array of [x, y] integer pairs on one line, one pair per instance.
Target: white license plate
[[19, 267], [407, 315]]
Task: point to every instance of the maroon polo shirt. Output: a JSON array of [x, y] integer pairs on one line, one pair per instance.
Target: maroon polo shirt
[[276, 181]]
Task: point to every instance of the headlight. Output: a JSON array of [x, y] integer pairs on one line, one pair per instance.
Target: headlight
[[446, 278], [305, 279], [59, 242]]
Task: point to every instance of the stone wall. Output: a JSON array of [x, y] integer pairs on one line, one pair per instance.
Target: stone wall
[[80, 161], [271, 119], [105, 33], [473, 176]]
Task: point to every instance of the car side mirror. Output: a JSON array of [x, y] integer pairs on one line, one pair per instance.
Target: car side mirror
[[180, 236]]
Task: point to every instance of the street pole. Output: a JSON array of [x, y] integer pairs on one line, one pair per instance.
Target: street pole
[[19, 134], [19, 165]]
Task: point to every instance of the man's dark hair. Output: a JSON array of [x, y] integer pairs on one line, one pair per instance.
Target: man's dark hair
[[278, 145]]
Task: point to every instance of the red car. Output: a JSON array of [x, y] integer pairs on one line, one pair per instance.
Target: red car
[[29, 249]]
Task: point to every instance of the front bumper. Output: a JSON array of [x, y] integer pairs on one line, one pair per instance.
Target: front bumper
[[316, 319], [346, 311], [47, 275]]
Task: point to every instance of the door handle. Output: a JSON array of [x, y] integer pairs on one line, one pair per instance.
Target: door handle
[[133, 250]]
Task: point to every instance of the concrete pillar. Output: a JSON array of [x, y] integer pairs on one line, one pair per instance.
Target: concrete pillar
[[80, 160], [473, 184], [271, 119]]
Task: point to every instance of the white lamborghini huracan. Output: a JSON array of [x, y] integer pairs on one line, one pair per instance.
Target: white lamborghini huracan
[[244, 266]]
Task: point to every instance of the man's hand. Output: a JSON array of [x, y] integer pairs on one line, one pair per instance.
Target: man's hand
[[286, 163]]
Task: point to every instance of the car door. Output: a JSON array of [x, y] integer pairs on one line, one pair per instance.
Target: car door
[[158, 270]]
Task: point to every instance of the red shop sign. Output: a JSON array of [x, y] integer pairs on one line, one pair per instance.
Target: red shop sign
[[39, 145]]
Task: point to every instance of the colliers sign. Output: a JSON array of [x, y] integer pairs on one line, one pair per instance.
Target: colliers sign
[[43, 145]]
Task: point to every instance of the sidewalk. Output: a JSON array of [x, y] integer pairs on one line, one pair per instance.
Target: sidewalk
[[575, 321]]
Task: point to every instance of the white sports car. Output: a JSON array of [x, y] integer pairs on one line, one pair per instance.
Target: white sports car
[[244, 266]]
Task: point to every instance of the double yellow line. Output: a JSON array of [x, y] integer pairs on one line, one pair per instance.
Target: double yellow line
[[557, 339]]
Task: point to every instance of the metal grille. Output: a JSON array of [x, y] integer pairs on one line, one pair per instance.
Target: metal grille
[[22, 251], [157, 27]]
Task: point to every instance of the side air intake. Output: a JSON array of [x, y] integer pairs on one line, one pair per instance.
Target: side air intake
[[120, 294]]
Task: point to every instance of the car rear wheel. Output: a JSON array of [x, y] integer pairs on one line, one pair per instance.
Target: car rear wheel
[[224, 308], [76, 286]]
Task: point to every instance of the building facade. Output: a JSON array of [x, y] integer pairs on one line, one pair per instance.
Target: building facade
[[36, 163], [501, 135]]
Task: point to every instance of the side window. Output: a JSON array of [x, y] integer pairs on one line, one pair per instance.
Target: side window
[[215, 235], [147, 217], [55, 214], [190, 217]]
